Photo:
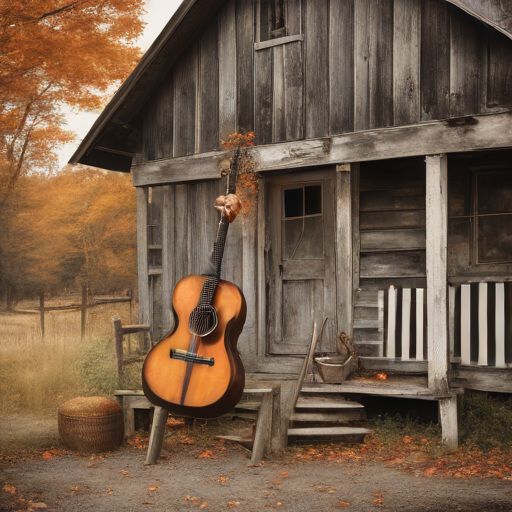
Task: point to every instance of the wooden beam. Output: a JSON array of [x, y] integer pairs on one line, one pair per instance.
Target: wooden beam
[[448, 419], [496, 13], [448, 136], [437, 300], [344, 267]]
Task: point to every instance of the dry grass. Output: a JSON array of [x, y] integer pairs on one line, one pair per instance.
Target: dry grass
[[38, 375]]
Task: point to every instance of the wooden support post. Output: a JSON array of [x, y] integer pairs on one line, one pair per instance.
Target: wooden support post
[[83, 311], [143, 260], [118, 336], [437, 300], [344, 268], [263, 435], [130, 296], [41, 313], [448, 418], [156, 439]]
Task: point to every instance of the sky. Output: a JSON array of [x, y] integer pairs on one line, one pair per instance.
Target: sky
[[159, 12]]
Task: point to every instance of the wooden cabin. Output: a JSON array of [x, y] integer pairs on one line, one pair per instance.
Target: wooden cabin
[[384, 145]]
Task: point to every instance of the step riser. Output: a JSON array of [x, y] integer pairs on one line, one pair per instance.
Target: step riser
[[329, 417]]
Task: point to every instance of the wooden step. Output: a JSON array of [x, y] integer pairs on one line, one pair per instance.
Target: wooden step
[[328, 432], [333, 416], [313, 402]]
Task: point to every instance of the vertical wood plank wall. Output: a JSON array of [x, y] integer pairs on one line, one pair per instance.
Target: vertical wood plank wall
[[360, 64], [177, 228]]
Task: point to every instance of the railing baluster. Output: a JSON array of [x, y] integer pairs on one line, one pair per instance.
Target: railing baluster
[[500, 325], [419, 324], [482, 324], [391, 345], [406, 324], [465, 324]]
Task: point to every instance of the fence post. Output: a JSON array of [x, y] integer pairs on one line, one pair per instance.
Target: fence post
[[130, 294], [84, 311], [118, 335], [41, 312]]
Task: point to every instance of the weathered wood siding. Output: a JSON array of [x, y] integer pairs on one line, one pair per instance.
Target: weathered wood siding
[[392, 241], [348, 65], [181, 229]]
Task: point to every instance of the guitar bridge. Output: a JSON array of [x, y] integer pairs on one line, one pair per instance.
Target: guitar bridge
[[190, 357]]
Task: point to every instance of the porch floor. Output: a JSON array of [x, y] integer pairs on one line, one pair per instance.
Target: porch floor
[[400, 386]]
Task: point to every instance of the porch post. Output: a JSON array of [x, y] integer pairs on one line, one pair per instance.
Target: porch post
[[437, 295], [142, 258], [344, 261]]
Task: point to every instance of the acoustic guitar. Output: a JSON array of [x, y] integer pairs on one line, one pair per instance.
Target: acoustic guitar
[[195, 370]]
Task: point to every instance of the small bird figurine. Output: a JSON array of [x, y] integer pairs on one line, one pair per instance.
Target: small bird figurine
[[229, 205]]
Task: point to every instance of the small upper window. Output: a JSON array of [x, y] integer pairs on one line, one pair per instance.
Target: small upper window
[[272, 19]]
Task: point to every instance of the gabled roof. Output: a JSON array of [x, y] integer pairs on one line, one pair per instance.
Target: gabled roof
[[108, 143]]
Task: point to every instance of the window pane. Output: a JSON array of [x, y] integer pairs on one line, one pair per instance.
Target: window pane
[[303, 245], [291, 233], [293, 199], [495, 192], [459, 245], [313, 199], [458, 193], [495, 239]]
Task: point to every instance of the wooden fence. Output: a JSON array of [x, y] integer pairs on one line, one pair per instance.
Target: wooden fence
[[83, 307]]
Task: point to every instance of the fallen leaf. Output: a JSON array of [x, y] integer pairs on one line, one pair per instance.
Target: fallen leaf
[[408, 440], [125, 473], [154, 487], [277, 482], [47, 455], [382, 376], [222, 479], [110, 491], [10, 489], [279, 504], [205, 454], [285, 474], [39, 505], [203, 505], [76, 489], [187, 441], [343, 504], [189, 498], [233, 503]]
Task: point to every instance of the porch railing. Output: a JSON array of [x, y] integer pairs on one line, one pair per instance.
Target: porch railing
[[482, 323], [406, 324]]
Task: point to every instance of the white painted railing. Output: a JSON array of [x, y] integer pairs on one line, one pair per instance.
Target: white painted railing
[[406, 324], [482, 323]]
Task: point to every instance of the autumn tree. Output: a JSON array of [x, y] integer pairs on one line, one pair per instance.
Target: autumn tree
[[71, 228], [55, 52], [52, 52]]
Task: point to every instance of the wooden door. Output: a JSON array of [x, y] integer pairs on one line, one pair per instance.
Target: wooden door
[[302, 282]]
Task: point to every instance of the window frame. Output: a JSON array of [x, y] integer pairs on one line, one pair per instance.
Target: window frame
[[473, 215]]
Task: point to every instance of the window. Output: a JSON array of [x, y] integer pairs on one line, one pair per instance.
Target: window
[[272, 18], [302, 222], [480, 214]]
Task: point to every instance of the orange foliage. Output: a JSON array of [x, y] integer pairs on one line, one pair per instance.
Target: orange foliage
[[75, 227], [57, 52], [247, 183]]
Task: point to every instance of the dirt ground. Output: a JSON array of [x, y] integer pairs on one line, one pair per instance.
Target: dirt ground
[[186, 479]]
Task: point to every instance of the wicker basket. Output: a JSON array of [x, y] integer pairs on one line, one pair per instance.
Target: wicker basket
[[92, 424]]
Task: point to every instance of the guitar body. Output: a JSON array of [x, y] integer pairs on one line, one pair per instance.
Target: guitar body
[[199, 390]]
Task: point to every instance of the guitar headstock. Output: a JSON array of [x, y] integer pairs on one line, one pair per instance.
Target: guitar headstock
[[229, 206]]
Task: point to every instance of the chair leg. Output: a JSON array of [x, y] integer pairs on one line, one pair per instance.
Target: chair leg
[[156, 438]]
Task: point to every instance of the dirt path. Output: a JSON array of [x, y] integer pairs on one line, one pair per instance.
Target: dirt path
[[120, 481], [68, 483]]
